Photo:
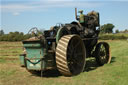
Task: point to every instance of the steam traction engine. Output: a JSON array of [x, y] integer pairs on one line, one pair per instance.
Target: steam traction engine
[[65, 47]]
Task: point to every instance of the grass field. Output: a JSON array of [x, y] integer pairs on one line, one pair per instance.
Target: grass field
[[115, 73]]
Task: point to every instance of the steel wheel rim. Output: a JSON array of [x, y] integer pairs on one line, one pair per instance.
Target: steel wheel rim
[[65, 60], [76, 55], [103, 53]]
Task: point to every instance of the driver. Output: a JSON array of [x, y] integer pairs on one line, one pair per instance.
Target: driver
[[81, 18]]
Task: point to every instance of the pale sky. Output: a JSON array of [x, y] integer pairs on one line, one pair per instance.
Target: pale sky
[[22, 15]]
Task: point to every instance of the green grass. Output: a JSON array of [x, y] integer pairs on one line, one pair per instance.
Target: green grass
[[115, 73]]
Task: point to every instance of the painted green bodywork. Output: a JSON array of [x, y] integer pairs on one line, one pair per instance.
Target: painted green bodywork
[[58, 36], [37, 56], [60, 33], [22, 63], [34, 55]]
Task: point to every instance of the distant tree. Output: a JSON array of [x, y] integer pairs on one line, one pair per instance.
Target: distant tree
[[1, 32], [15, 36], [26, 36], [117, 31], [107, 28], [126, 31]]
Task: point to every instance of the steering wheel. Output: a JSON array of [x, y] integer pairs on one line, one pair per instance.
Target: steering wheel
[[34, 31]]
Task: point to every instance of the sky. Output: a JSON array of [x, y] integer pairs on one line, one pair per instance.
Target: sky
[[22, 15]]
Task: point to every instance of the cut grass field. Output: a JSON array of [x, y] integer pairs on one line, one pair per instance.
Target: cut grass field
[[115, 73]]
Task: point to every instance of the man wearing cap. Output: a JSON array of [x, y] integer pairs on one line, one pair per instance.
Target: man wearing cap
[[81, 18]]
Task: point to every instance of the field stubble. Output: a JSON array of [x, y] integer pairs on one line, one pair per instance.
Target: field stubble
[[115, 73]]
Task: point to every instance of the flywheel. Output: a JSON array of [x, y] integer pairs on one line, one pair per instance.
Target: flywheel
[[70, 55], [103, 53]]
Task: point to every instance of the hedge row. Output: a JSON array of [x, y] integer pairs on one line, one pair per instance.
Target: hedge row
[[112, 37], [19, 36], [14, 36]]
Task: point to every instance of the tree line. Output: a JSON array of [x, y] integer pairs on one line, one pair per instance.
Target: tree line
[[108, 28], [13, 36], [19, 36], [125, 31]]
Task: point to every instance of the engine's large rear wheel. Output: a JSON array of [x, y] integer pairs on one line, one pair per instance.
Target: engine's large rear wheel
[[70, 55]]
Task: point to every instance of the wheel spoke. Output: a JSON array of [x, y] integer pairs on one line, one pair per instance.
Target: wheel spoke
[[78, 54], [76, 63], [77, 45], [70, 47]]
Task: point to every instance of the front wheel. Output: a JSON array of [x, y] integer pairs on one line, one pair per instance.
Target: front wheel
[[102, 53]]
